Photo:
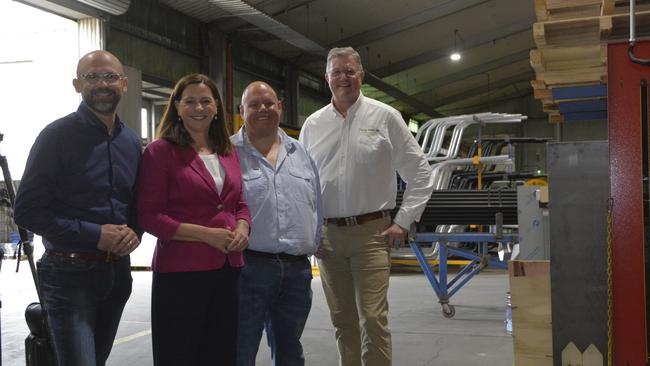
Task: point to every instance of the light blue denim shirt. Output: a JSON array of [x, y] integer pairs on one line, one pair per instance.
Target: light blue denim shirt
[[285, 201]]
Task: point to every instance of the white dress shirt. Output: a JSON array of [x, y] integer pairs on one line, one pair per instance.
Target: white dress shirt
[[358, 156]]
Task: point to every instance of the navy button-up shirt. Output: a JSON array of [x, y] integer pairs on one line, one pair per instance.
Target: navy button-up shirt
[[78, 178]]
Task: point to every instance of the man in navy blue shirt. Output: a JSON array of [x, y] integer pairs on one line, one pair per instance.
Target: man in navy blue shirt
[[78, 193]]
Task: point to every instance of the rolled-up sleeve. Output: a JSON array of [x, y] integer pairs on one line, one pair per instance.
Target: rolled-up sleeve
[[414, 169]]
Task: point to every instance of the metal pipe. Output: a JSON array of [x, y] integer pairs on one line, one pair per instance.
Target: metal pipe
[[632, 26], [630, 48], [440, 168], [432, 143]]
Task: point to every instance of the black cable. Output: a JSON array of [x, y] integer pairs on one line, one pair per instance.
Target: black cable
[[633, 58]]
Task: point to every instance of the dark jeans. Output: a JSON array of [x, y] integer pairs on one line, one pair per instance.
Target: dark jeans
[[84, 302], [194, 317], [275, 295]]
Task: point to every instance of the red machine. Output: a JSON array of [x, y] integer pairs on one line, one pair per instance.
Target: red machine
[[628, 170]]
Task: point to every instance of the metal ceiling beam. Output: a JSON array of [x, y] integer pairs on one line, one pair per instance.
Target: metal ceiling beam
[[284, 32], [487, 105], [417, 104], [68, 8], [267, 23], [410, 62], [470, 72], [272, 8], [408, 22], [496, 85], [499, 84]]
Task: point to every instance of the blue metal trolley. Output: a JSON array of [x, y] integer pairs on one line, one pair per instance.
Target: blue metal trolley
[[443, 288]]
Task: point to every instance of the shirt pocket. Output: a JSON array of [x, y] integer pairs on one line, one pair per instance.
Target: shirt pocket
[[254, 187], [302, 186], [373, 145]]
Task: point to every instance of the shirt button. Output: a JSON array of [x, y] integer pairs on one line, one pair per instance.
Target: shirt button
[[220, 207]]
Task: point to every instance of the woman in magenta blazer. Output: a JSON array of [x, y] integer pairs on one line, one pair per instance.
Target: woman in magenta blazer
[[191, 198]]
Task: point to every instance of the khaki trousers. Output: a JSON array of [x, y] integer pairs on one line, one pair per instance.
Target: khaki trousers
[[355, 278]]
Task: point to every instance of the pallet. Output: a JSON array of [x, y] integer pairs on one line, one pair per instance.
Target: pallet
[[572, 38], [572, 103], [548, 10], [590, 30], [568, 58]]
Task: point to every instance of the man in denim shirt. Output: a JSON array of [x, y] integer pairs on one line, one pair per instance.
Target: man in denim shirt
[[78, 192], [282, 191]]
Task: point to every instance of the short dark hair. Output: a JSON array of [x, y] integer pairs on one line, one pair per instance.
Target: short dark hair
[[172, 129]]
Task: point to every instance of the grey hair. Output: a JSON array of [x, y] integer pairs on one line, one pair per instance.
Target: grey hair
[[343, 52]]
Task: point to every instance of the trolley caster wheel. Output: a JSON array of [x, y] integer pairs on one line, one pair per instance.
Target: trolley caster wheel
[[448, 311]]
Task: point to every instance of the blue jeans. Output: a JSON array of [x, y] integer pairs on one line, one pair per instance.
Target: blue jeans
[[84, 302], [274, 295]]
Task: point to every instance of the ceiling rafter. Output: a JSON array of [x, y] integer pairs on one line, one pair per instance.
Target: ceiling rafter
[[274, 9], [281, 30], [472, 71], [492, 87], [408, 22], [396, 93], [268, 20], [425, 57]]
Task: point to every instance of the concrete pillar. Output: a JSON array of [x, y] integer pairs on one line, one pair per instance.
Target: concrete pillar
[[130, 106], [218, 71]]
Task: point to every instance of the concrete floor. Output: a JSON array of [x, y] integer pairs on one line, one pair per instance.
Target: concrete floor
[[421, 335]]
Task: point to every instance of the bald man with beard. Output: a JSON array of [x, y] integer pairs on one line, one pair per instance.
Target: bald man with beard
[[78, 193]]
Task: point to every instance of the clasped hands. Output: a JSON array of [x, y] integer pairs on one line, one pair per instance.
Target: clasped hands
[[117, 239], [227, 240]]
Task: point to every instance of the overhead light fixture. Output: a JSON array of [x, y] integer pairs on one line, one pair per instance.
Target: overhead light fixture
[[455, 54]]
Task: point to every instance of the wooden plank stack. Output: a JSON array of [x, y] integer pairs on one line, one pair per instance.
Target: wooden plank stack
[[572, 37]]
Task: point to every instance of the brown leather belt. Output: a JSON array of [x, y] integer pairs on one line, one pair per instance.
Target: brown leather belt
[[357, 220], [95, 257], [277, 256]]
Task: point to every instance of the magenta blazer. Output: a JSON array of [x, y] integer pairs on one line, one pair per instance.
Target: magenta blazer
[[175, 187]]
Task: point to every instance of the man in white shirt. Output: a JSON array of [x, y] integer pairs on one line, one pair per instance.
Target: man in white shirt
[[359, 144]]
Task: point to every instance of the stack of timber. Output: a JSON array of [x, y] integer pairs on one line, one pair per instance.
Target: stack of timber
[[571, 59]]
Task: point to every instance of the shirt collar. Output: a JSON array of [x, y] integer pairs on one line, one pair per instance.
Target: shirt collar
[[242, 140], [91, 119], [239, 138], [353, 108]]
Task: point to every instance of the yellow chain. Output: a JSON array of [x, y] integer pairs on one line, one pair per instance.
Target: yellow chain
[[610, 346]]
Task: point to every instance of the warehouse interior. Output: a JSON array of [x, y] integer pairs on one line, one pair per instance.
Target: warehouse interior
[[543, 115]]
